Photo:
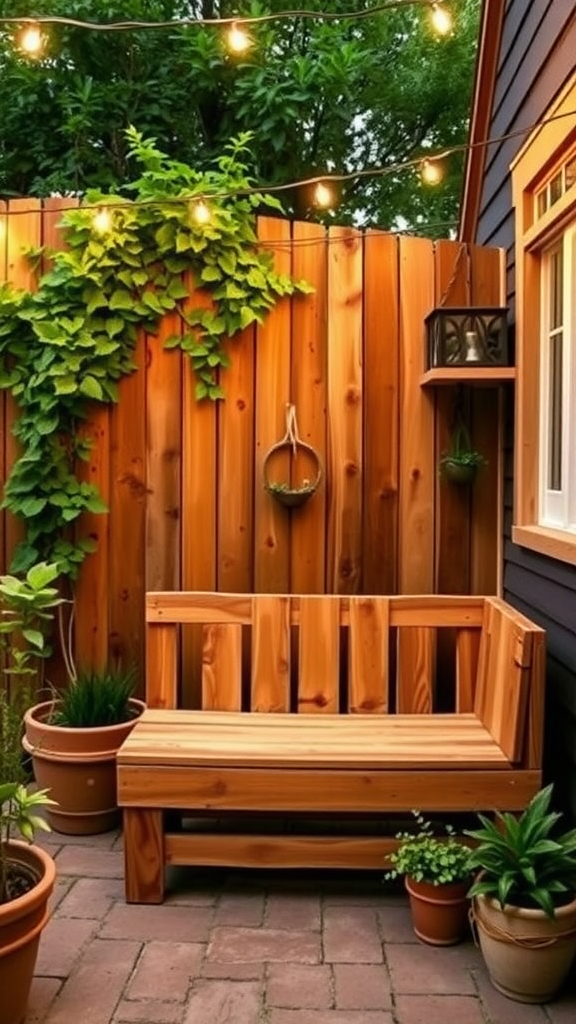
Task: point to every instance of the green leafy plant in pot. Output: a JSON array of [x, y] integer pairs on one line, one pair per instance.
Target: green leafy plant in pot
[[437, 875], [460, 464], [524, 900], [73, 740], [27, 875]]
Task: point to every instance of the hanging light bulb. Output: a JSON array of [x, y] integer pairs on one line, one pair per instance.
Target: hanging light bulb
[[323, 196], [238, 39], [30, 40], [431, 172], [102, 220], [441, 19], [201, 212]]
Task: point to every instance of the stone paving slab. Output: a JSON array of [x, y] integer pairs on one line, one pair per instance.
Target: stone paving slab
[[252, 948]]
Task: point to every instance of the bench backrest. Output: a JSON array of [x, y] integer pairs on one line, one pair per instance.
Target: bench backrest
[[325, 653]]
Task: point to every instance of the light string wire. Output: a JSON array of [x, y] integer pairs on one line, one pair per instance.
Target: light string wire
[[113, 205], [238, 19]]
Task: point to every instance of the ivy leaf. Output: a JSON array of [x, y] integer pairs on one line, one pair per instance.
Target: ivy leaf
[[177, 289], [48, 331], [34, 637], [65, 385], [121, 299], [91, 387], [211, 273], [33, 506]]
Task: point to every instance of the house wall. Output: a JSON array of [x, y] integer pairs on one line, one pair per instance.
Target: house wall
[[536, 59]]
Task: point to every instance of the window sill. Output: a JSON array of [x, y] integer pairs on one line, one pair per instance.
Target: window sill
[[557, 544]]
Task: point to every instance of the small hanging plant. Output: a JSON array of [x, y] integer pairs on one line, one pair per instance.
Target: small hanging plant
[[292, 495], [461, 462], [129, 259]]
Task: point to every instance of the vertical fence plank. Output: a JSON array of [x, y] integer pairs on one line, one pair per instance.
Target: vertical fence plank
[[309, 359], [381, 403], [128, 515], [453, 503], [3, 395], [199, 496], [24, 229], [417, 478], [487, 508], [92, 588], [272, 392], [163, 460], [345, 410], [236, 468]]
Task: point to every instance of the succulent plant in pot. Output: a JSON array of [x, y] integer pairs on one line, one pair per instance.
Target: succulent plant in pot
[[73, 740], [437, 873], [524, 900]]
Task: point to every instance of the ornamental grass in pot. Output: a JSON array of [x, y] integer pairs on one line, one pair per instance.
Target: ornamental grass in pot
[[27, 876], [524, 900], [437, 875], [73, 740]]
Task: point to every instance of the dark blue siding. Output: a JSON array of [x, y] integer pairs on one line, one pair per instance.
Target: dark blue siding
[[536, 59]]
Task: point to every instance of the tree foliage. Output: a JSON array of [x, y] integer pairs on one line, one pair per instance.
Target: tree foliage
[[338, 95]]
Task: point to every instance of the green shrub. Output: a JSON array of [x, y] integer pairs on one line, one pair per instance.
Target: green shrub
[[425, 857]]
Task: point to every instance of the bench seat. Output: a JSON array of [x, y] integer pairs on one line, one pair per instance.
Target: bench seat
[[236, 739]]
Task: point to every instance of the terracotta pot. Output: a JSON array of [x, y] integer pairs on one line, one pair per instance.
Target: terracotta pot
[[439, 912], [21, 924], [527, 953], [78, 766]]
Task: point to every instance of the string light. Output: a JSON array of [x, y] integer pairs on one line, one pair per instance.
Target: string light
[[201, 212], [30, 40], [431, 172], [289, 186], [237, 39], [323, 196], [102, 220], [126, 26], [441, 19]]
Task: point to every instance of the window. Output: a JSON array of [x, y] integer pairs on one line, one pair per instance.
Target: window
[[544, 189]]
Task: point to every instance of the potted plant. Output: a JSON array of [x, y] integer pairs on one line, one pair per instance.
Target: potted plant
[[27, 876], [437, 876], [461, 462], [73, 740], [524, 900]]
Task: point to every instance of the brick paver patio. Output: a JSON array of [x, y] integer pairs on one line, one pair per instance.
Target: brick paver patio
[[244, 948]]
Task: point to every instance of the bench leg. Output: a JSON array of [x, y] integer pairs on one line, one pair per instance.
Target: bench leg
[[143, 855]]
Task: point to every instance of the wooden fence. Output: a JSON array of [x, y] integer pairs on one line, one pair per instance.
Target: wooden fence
[[183, 481]]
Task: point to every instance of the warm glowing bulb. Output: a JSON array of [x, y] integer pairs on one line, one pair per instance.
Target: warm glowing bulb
[[30, 40], [238, 40], [431, 172], [201, 212], [441, 20], [102, 221], [323, 196]]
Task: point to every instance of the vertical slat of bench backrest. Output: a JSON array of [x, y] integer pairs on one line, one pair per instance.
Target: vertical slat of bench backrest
[[222, 667], [368, 655], [319, 654], [504, 665], [161, 665], [415, 670], [467, 650], [270, 663]]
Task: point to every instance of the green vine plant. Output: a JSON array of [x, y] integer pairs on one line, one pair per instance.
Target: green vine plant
[[69, 342]]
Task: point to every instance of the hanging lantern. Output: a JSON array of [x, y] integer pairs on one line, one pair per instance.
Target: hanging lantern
[[471, 336]]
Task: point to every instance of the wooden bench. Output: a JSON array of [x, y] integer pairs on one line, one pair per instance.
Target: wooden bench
[[428, 702]]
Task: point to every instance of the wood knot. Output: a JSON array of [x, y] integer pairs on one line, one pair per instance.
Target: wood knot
[[241, 404], [416, 474], [352, 395], [350, 468]]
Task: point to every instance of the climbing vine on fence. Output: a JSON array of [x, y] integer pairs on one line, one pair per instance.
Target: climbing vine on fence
[[69, 342]]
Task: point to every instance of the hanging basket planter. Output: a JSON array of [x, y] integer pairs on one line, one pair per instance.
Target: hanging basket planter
[[288, 494]]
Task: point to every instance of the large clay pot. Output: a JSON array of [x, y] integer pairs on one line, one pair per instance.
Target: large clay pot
[[439, 912], [21, 924], [78, 766], [527, 953]]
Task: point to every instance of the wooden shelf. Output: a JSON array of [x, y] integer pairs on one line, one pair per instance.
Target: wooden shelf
[[468, 375]]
